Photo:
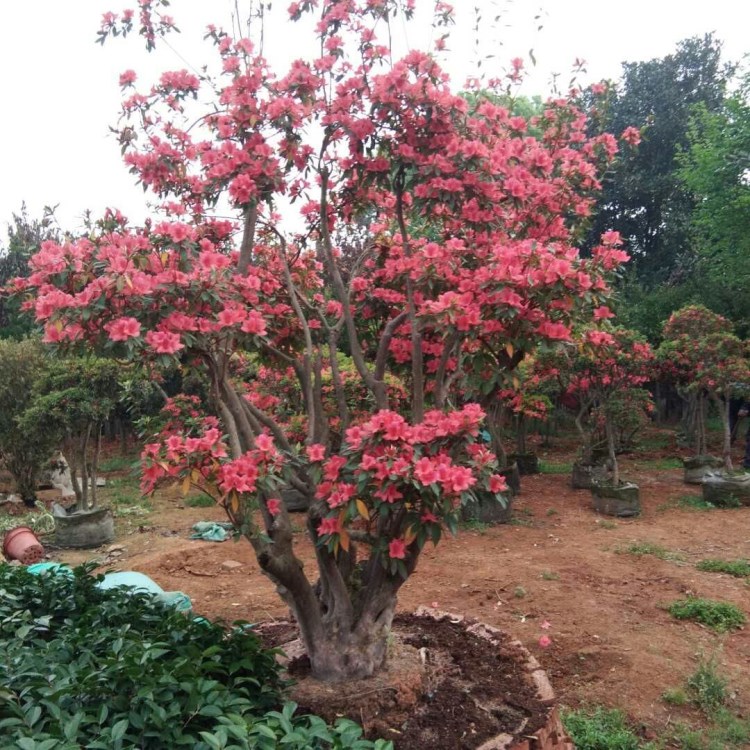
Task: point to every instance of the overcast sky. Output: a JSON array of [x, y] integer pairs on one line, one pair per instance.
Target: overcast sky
[[60, 90]]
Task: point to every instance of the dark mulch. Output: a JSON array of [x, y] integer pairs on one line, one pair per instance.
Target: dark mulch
[[466, 692]]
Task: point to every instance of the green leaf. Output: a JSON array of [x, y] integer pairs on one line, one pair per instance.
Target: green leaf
[[119, 729]]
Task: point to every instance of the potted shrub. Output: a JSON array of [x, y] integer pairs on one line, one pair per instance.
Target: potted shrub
[[527, 401], [680, 357], [72, 400], [724, 375], [609, 365]]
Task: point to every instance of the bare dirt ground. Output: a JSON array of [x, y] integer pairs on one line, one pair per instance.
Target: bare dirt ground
[[613, 642]]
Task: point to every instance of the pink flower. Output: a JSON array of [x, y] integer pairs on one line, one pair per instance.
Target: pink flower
[[164, 342], [316, 452], [127, 78], [254, 324], [122, 329], [264, 443], [631, 135], [425, 472], [274, 506], [545, 625], [545, 641], [397, 549], [498, 483], [179, 232], [328, 526], [602, 312]]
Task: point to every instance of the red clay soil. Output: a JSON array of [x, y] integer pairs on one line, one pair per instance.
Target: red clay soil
[[613, 642]]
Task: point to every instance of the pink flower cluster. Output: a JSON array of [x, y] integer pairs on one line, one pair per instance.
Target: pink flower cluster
[[390, 464]]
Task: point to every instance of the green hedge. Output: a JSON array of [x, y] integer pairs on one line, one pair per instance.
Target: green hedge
[[111, 669]]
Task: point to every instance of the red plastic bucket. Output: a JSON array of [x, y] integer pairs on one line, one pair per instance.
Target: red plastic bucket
[[21, 544]]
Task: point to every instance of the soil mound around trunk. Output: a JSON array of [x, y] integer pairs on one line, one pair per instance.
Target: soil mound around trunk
[[449, 683]]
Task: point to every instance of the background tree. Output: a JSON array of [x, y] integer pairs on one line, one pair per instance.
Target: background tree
[[682, 356], [25, 452], [25, 237], [715, 169], [606, 375], [72, 399], [644, 197]]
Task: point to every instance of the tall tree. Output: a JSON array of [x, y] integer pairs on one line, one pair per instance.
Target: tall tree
[[25, 237], [715, 171], [643, 197]]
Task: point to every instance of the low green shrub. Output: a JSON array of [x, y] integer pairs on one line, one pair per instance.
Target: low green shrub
[[707, 688], [719, 616], [736, 568], [113, 669]]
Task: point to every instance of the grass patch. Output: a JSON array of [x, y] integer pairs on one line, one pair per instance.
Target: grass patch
[[522, 517], [653, 442], [118, 463], [600, 729], [736, 568], [199, 501], [124, 495], [675, 697], [605, 524], [694, 502], [550, 575], [549, 467], [719, 616], [661, 463], [727, 731], [647, 548]]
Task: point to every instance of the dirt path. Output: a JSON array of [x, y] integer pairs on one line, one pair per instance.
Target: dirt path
[[613, 643]]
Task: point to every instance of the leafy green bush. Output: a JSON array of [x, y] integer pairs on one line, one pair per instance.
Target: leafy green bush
[[720, 616], [112, 669]]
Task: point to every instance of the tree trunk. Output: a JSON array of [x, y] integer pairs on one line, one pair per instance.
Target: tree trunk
[[521, 434], [612, 451], [726, 453]]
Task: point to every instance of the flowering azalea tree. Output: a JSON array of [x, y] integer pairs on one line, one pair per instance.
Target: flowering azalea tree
[[682, 355], [724, 374], [527, 399], [429, 234], [608, 365]]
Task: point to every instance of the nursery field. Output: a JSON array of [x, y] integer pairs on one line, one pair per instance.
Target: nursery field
[[602, 584]]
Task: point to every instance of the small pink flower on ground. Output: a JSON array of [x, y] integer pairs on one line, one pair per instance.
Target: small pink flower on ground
[[545, 625], [397, 549], [274, 506], [434, 605], [545, 641]]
